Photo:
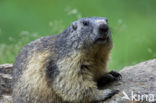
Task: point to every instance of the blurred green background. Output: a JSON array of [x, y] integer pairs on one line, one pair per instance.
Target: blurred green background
[[133, 25]]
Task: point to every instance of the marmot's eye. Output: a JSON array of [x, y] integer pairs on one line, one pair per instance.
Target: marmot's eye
[[85, 23]]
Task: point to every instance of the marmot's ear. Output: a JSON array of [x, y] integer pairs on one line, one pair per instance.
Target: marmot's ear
[[74, 26]]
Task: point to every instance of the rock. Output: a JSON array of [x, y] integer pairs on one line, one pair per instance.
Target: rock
[[6, 99], [138, 84], [6, 68], [5, 82]]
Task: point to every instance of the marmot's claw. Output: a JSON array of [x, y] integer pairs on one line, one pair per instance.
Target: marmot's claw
[[116, 75], [111, 94], [106, 95]]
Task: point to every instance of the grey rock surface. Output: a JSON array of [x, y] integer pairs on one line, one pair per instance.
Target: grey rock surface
[[138, 84], [5, 82]]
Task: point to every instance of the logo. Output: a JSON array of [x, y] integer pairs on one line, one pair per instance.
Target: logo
[[138, 97]]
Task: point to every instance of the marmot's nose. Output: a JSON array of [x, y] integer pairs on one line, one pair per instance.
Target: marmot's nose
[[103, 29]]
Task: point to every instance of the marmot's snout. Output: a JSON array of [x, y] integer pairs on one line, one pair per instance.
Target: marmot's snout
[[103, 32], [103, 29]]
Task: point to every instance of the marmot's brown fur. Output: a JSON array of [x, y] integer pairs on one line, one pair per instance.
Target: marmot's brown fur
[[66, 68]]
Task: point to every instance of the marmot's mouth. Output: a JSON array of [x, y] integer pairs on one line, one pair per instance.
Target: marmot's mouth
[[101, 40]]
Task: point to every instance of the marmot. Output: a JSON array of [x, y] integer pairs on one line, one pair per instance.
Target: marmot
[[66, 68]]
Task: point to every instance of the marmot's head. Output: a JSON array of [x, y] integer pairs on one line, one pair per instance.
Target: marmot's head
[[87, 33], [91, 31]]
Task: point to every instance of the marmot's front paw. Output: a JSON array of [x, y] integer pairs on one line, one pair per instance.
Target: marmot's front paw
[[116, 75], [111, 94], [104, 95], [108, 78]]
